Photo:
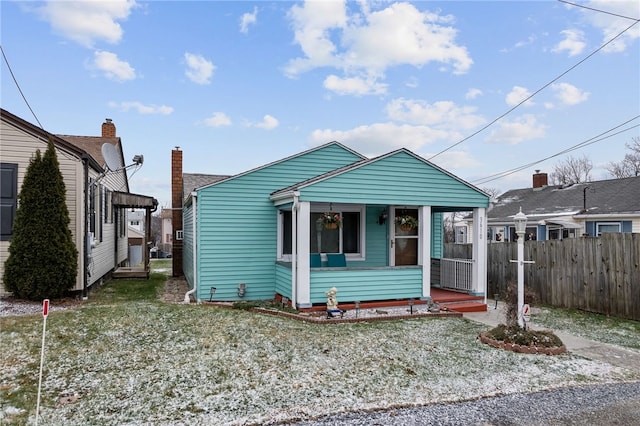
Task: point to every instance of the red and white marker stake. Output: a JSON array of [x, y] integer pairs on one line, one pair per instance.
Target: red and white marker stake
[[45, 313]]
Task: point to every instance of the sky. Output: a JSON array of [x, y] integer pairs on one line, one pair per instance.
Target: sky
[[476, 87]]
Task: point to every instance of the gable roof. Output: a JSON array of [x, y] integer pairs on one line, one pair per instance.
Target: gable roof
[[320, 147], [300, 185], [613, 196]]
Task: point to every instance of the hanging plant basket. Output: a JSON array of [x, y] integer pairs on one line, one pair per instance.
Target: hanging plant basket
[[331, 220], [407, 223]]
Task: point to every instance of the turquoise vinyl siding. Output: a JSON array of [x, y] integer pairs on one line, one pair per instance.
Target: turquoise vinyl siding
[[187, 241], [283, 279], [377, 236], [437, 235], [400, 179], [237, 226], [366, 284]]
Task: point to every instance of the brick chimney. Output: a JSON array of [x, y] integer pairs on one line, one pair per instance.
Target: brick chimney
[[176, 205], [108, 129], [540, 179]]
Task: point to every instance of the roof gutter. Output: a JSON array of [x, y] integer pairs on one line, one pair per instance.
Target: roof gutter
[[187, 295], [605, 215]]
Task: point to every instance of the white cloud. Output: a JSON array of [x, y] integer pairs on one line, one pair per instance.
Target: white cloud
[[379, 138], [444, 115], [142, 108], [519, 130], [368, 42], [569, 94], [354, 86], [218, 119], [573, 42], [455, 161], [112, 67], [268, 123], [517, 95], [472, 94], [86, 22], [611, 25], [247, 19], [199, 70]]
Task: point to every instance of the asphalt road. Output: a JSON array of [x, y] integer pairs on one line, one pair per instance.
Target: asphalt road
[[602, 405]]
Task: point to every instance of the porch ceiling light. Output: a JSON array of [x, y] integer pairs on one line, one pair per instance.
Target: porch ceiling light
[[520, 220]]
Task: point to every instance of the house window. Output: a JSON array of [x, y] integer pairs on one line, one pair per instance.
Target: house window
[[179, 235], [8, 198], [346, 239], [602, 227]]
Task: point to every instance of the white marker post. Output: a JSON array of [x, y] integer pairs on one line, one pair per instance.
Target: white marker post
[[45, 313]]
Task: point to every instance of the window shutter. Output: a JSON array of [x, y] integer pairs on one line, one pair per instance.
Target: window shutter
[[8, 198]]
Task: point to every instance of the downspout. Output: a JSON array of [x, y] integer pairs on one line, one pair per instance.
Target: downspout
[[87, 243], [294, 249], [187, 298]]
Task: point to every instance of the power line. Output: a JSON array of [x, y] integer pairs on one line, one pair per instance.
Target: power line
[[598, 10], [590, 141], [536, 92], [19, 89]]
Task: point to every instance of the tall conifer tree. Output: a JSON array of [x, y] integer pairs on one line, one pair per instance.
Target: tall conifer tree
[[43, 259]]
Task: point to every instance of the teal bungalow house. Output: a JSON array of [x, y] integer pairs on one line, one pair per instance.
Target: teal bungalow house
[[265, 233]]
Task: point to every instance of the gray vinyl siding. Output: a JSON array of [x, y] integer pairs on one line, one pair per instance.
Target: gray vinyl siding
[[19, 147], [237, 224]]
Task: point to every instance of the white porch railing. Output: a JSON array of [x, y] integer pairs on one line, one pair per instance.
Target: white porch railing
[[456, 274]]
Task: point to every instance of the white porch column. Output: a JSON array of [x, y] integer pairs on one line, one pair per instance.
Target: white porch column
[[303, 278], [479, 241], [424, 248]]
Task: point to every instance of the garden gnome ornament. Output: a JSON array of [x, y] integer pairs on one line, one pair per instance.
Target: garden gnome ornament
[[332, 301]]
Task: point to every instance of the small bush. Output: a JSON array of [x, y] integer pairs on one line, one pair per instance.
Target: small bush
[[520, 336]]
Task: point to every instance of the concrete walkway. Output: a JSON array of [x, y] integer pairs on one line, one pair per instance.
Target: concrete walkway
[[610, 354]]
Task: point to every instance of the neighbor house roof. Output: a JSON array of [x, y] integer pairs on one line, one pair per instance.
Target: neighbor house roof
[[92, 145], [604, 197], [191, 181]]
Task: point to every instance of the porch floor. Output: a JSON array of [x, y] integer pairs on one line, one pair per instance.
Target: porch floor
[[449, 299]]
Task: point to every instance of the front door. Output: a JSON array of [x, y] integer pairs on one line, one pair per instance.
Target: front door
[[404, 236]]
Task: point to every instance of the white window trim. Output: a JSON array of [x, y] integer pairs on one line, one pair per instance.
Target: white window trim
[[179, 235], [598, 224], [338, 208]]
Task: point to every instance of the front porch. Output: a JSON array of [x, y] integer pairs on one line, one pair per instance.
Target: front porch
[[449, 300]]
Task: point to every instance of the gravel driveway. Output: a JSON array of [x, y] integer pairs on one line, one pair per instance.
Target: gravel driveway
[[613, 404]]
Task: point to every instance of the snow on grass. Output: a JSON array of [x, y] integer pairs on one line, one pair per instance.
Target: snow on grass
[[601, 328], [140, 363]]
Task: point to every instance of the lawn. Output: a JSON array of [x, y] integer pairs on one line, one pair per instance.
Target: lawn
[[124, 357]]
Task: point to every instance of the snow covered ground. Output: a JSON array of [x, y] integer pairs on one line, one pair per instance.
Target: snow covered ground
[[152, 363]]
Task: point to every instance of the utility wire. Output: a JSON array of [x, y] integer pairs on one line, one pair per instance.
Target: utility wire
[[536, 92], [18, 86], [597, 10], [590, 141]]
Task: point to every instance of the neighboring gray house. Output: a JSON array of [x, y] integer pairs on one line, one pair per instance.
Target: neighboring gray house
[[97, 199], [567, 211]]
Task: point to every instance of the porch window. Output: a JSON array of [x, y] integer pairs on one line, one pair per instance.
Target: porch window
[[346, 239]]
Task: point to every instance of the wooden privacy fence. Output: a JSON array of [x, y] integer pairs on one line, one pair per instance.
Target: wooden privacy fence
[[593, 274]]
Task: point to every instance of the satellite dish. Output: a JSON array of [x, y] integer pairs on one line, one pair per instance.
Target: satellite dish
[[111, 156]]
